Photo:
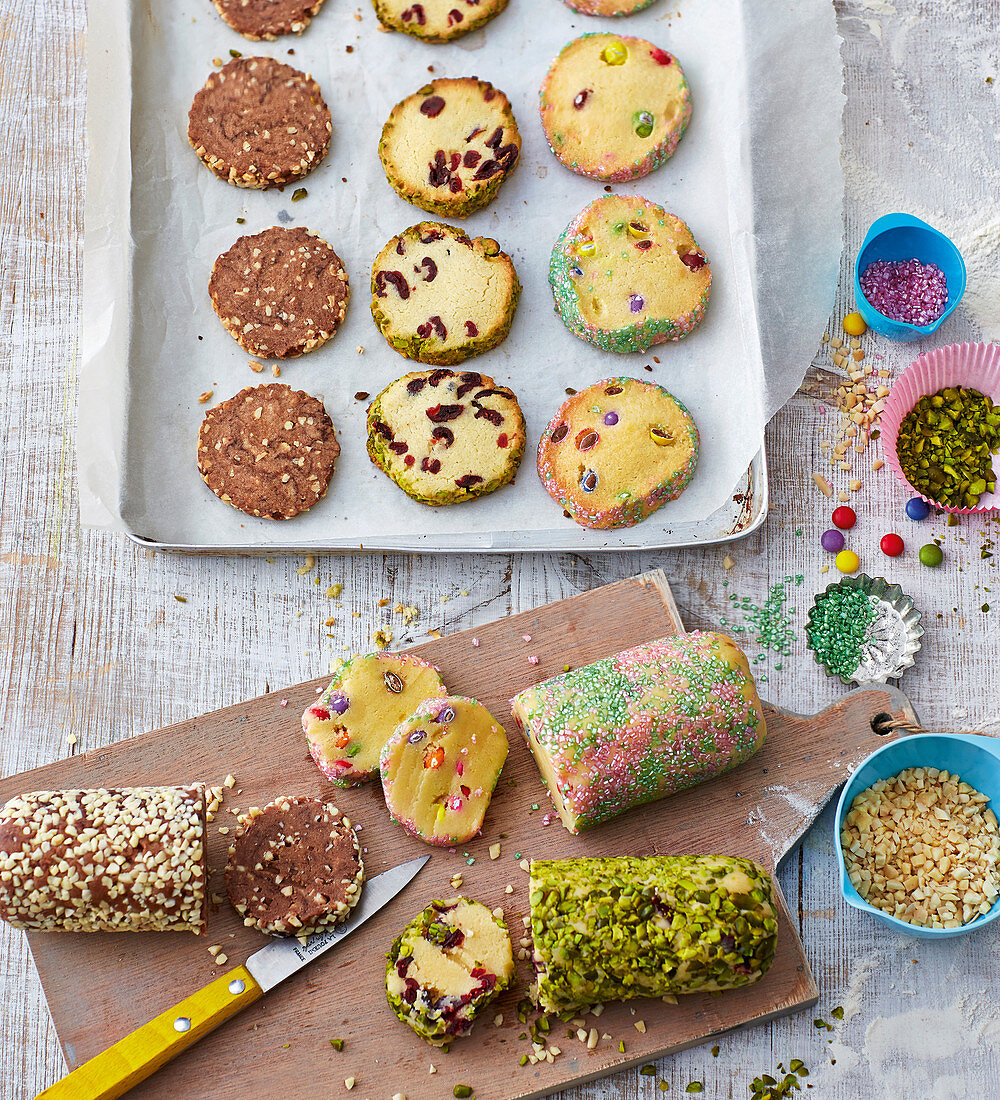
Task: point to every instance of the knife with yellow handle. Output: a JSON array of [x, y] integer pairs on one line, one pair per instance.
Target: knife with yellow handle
[[140, 1054]]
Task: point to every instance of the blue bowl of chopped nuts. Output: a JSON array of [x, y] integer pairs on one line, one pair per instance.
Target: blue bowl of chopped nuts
[[916, 840]]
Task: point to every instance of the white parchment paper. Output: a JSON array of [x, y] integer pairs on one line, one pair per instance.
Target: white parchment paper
[[757, 177]]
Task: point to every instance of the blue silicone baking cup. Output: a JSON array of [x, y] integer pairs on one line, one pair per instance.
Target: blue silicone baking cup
[[903, 237], [975, 759]]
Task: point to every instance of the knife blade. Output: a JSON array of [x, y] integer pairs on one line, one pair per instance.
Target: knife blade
[[140, 1054]]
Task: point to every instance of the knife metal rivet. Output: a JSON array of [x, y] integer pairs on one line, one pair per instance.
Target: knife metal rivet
[[237, 986], [182, 1023]]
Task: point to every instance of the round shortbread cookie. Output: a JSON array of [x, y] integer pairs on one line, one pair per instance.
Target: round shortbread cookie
[[439, 296], [444, 437], [617, 451], [440, 768], [267, 19], [448, 147], [294, 867], [625, 275], [614, 107], [436, 20], [280, 292], [608, 7], [354, 717], [269, 451], [258, 123]]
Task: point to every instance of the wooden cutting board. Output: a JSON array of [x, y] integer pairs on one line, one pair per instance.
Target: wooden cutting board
[[101, 986]]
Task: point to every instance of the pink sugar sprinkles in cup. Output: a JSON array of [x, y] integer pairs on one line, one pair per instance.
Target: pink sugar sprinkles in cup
[[906, 290]]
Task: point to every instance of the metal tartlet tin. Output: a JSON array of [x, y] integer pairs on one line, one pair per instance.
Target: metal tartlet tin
[[893, 639]]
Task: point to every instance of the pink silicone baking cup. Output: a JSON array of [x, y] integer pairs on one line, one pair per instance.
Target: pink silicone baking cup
[[974, 365]]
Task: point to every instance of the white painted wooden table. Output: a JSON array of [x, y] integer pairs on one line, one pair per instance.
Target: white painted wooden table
[[95, 644]]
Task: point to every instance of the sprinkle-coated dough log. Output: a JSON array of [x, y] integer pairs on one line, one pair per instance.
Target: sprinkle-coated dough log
[[614, 929], [370, 695], [446, 967], [121, 860], [436, 20], [641, 725], [440, 768]]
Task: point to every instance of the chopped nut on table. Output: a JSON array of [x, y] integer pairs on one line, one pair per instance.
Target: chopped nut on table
[[924, 847]]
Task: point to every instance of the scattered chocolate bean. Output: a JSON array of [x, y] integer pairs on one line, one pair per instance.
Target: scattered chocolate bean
[[560, 433], [694, 260], [393, 683]]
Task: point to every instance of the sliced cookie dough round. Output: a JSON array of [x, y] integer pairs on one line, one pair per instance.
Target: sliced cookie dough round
[[608, 7], [259, 123], [270, 451], [436, 20], [281, 292], [614, 107], [625, 275], [440, 296], [448, 147], [439, 769], [450, 962], [354, 717], [267, 19], [294, 867], [445, 436], [617, 451]]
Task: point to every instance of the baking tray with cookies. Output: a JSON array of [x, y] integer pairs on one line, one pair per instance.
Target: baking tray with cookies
[[603, 799], [351, 283]]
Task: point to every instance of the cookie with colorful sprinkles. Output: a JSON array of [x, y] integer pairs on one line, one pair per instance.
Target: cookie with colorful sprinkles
[[626, 275], [608, 7], [267, 19], [641, 725], [370, 695], [436, 20], [617, 451], [440, 768], [614, 107]]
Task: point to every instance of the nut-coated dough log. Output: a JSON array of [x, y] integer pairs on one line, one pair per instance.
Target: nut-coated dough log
[[613, 929], [641, 725]]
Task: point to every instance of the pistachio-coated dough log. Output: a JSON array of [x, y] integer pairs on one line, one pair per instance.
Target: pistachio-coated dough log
[[613, 929], [641, 725]]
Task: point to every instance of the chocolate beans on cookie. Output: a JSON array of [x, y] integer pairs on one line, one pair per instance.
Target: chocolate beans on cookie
[[440, 296], [446, 436], [267, 19], [259, 123], [436, 20], [448, 147], [294, 867], [280, 293], [370, 695]]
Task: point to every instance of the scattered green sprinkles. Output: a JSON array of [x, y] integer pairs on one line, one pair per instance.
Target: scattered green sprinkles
[[766, 1087], [838, 1013], [838, 628], [299, 193], [695, 1086], [715, 1052], [462, 1091], [337, 1044], [648, 1071], [235, 53], [241, 221], [819, 1024]]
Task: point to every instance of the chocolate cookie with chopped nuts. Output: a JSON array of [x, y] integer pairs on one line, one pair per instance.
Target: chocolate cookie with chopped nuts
[[448, 147], [440, 296], [280, 293], [436, 20], [259, 123], [445, 436], [269, 451], [294, 867], [267, 19]]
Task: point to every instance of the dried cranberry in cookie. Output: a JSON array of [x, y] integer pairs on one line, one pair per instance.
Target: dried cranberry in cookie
[[625, 275], [446, 436], [617, 451], [448, 147], [349, 723], [440, 296], [614, 107], [436, 20], [257, 19], [440, 767], [450, 962]]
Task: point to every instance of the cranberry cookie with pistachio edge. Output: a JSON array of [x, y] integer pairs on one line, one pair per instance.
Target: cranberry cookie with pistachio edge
[[608, 7], [440, 296], [625, 275], [267, 19], [448, 147], [444, 437], [436, 20], [258, 123], [294, 867], [354, 717], [450, 962], [614, 107], [617, 451], [440, 768], [280, 293]]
